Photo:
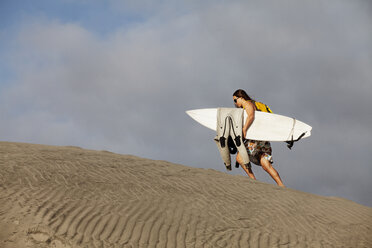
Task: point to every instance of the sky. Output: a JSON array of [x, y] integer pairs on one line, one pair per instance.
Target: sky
[[119, 76]]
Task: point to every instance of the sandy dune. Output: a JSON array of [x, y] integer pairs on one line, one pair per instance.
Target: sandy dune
[[70, 197]]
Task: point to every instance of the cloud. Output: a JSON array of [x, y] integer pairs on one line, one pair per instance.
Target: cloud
[[126, 90]]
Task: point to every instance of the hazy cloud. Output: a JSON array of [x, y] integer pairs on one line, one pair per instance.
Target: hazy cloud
[[126, 90]]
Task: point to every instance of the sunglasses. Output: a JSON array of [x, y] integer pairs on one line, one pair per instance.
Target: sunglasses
[[235, 100]]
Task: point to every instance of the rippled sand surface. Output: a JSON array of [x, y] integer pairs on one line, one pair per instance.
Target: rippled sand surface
[[70, 197]]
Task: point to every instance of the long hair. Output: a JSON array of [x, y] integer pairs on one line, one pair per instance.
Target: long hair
[[241, 93]]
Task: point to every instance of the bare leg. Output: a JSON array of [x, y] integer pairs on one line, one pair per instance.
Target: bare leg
[[267, 166], [248, 170]]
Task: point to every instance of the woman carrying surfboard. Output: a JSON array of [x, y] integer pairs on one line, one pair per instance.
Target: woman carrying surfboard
[[259, 152]]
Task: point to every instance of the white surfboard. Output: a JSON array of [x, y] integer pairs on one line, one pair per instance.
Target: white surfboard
[[266, 126]]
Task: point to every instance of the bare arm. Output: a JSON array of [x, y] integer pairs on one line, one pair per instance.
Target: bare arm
[[249, 108]]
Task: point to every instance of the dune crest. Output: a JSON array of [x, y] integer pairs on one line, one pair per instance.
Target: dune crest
[[70, 197]]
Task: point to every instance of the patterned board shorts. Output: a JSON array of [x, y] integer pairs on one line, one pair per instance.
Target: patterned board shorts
[[256, 148]]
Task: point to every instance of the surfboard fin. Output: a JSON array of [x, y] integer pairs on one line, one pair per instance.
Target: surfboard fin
[[236, 164], [237, 140], [291, 143], [222, 142]]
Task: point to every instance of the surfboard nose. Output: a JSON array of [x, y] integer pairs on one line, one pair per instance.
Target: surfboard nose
[[190, 113]]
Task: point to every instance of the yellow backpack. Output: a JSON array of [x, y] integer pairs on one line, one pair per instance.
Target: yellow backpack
[[262, 107]]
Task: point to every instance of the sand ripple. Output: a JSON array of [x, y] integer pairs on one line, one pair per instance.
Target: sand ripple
[[71, 197]]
